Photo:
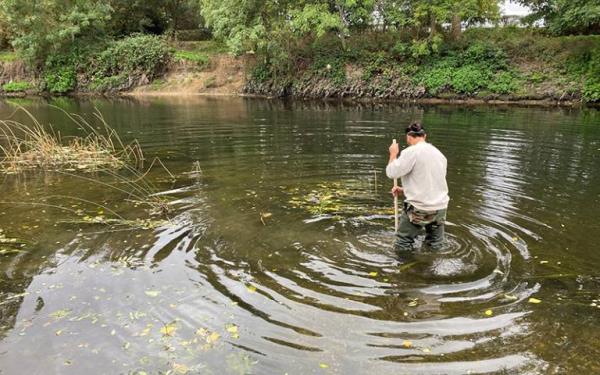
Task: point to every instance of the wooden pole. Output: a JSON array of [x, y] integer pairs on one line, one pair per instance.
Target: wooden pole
[[395, 202]]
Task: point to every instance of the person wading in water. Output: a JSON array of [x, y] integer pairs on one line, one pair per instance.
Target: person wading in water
[[422, 170]]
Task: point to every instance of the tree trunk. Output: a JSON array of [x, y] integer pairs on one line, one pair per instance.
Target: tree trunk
[[432, 26], [456, 26]]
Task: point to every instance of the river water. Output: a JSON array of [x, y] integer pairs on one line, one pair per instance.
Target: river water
[[277, 257]]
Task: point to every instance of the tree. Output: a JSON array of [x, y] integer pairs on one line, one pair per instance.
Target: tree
[[267, 26], [153, 16], [563, 17], [39, 27]]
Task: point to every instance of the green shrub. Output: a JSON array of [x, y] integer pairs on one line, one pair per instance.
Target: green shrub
[[330, 67], [467, 79], [401, 50], [591, 91], [376, 64], [485, 54], [503, 83], [134, 56], [60, 80], [435, 79], [16, 86], [260, 73]]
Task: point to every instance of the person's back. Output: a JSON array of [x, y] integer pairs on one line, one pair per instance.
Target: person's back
[[422, 169], [425, 183]]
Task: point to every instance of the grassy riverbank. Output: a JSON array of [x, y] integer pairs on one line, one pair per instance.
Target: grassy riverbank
[[507, 64]]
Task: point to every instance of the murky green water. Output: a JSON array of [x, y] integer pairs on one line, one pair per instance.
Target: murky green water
[[313, 288]]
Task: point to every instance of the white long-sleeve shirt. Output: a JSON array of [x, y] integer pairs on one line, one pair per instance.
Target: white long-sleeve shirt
[[422, 168]]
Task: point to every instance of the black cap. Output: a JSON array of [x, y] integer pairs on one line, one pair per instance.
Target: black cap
[[415, 129]]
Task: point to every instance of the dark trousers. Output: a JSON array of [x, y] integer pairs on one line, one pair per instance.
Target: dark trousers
[[408, 231]]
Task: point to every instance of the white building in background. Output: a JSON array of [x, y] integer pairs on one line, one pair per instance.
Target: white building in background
[[512, 14]]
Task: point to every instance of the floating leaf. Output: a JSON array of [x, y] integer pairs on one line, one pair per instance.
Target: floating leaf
[[251, 288], [59, 314], [169, 329], [233, 330], [510, 297], [407, 344], [180, 369], [152, 293], [426, 350], [212, 338], [323, 365], [534, 300], [489, 312], [202, 332], [373, 274]]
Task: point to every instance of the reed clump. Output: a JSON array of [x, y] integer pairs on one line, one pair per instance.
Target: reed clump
[[35, 146], [117, 167]]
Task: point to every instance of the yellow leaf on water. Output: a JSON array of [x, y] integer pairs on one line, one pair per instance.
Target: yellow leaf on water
[[407, 344], [212, 338], [169, 329], [146, 330], [152, 293], [534, 300], [373, 274], [251, 288], [489, 312], [180, 369], [202, 332], [323, 365], [426, 350], [231, 328]]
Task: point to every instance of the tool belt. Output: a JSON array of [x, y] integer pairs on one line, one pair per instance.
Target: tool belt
[[419, 217]]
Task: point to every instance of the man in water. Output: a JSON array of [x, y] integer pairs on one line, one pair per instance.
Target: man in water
[[422, 169]]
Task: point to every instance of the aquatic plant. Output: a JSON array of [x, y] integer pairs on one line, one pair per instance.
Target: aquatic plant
[[38, 147], [35, 146], [9, 245]]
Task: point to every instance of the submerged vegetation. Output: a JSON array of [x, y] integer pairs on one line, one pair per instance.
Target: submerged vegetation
[[9, 245]]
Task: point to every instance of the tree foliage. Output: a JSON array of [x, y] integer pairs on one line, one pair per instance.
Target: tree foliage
[[153, 16], [42, 26], [563, 17]]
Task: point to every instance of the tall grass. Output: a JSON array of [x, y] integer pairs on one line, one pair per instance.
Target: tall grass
[[35, 146]]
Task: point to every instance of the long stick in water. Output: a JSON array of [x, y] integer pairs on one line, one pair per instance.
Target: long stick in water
[[395, 201]]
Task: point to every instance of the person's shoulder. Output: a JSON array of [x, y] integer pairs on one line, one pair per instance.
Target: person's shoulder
[[436, 150]]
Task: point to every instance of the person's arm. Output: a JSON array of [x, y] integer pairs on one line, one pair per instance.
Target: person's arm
[[398, 167]]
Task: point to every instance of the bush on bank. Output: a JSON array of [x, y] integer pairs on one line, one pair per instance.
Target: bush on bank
[[511, 62], [109, 66]]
